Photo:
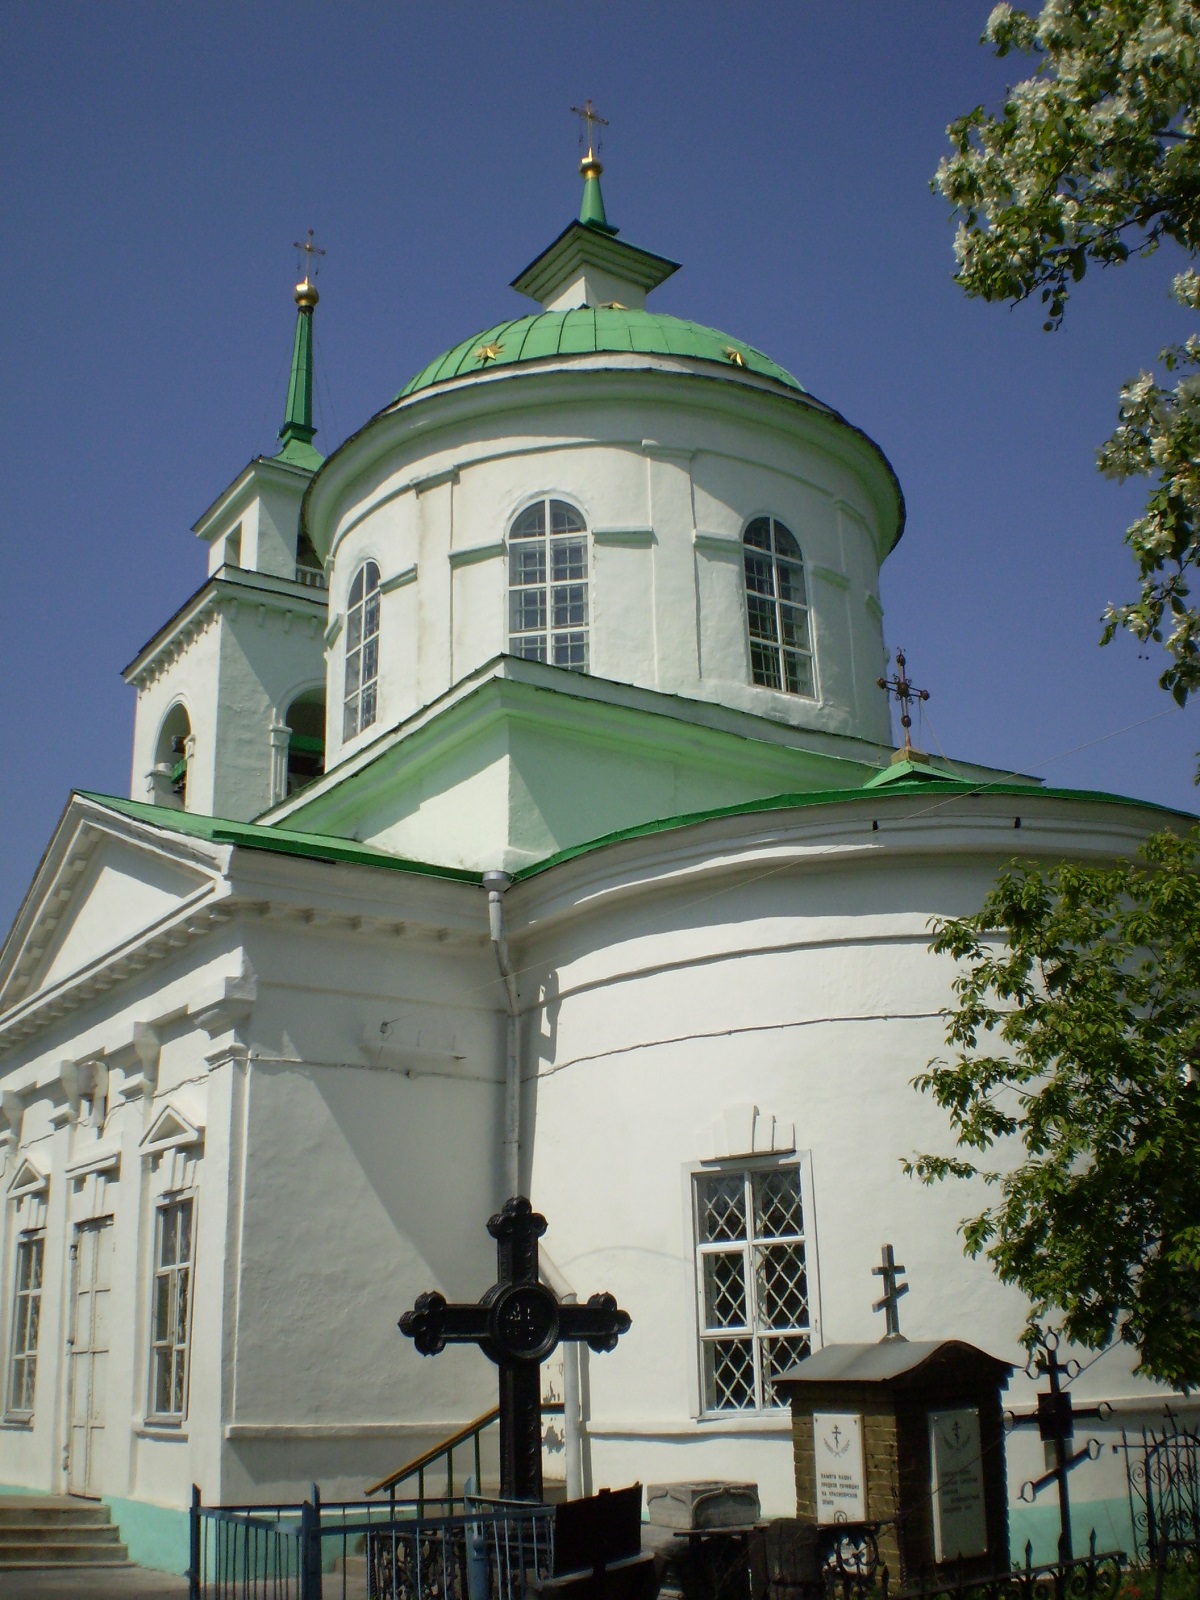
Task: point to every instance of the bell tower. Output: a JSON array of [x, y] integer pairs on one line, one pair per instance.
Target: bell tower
[[231, 690]]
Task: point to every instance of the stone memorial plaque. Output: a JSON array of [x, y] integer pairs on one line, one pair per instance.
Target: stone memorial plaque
[[959, 1516], [841, 1481]]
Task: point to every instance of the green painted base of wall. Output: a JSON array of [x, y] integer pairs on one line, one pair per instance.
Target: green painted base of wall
[[1039, 1525], [155, 1536], [19, 1488]]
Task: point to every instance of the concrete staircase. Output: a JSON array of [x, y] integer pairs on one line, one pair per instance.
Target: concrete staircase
[[38, 1531]]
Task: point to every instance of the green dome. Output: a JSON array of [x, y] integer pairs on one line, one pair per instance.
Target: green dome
[[590, 330]]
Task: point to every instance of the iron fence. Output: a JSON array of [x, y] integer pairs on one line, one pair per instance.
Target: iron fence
[[1091, 1577], [752, 1565], [1162, 1471], [463, 1549]]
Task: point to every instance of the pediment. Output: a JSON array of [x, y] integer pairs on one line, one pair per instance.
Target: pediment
[[170, 1130], [28, 1179], [124, 891], [104, 886]]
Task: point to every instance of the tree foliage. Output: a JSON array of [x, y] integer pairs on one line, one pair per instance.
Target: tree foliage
[[1077, 1040], [1093, 159]]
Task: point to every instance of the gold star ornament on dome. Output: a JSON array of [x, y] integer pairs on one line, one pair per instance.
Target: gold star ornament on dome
[[735, 356], [486, 353]]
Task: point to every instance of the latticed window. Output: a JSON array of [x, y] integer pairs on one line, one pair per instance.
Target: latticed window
[[172, 1310], [755, 1320], [548, 585], [27, 1307], [362, 651], [777, 609]]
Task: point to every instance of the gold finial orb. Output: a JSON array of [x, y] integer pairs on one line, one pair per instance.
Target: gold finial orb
[[306, 295], [589, 167]]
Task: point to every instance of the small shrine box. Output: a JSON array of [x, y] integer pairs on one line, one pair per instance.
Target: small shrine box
[[909, 1434]]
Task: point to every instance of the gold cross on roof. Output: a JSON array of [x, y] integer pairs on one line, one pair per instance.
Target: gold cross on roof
[[308, 253], [589, 117]]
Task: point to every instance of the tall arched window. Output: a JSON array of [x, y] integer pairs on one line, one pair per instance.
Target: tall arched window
[[548, 585], [362, 651], [777, 609]]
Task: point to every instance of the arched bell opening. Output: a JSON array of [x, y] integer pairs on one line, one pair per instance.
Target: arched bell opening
[[305, 718], [172, 753]]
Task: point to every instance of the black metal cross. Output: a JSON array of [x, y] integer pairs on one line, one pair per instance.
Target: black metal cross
[[1055, 1421], [905, 693], [518, 1322], [890, 1272]]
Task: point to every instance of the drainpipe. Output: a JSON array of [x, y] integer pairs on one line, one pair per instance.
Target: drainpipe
[[553, 1278], [496, 883]]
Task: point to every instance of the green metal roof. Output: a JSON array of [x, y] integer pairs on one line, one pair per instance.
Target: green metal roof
[[280, 841], [594, 330], [935, 797]]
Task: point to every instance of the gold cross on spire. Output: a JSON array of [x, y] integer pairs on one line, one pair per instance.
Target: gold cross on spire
[[307, 259], [589, 117]]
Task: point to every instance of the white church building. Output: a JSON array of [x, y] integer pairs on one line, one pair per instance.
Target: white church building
[[513, 808]]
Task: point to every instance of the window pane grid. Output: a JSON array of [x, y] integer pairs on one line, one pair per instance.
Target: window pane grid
[[171, 1310], [27, 1307], [777, 618], [362, 652], [753, 1282], [548, 586]]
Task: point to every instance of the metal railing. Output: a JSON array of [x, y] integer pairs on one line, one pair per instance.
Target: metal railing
[[443, 1454], [463, 1549]]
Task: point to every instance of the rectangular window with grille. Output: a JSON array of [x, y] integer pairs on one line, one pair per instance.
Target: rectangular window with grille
[[171, 1306], [27, 1307], [755, 1305]]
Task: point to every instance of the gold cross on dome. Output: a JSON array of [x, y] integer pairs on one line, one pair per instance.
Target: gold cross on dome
[[589, 117], [307, 260]]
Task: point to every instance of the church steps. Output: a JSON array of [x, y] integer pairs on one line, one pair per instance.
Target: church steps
[[37, 1532]]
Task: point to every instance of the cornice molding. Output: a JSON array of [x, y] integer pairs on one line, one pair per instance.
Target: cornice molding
[[475, 553], [224, 597]]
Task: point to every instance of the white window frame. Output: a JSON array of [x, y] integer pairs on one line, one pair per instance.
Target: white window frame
[[175, 1347], [31, 1245], [565, 642], [781, 657], [361, 632], [754, 1328]]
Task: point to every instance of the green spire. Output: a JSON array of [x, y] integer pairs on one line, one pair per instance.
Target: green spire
[[297, 431], [591, 212]]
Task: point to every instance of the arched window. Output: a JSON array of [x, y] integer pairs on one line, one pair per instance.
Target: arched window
[[777, 609], [362, 651], [548, 585], [306, 739]]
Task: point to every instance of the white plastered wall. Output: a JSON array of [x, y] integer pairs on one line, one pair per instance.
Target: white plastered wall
[[667, 484], [798, 983]]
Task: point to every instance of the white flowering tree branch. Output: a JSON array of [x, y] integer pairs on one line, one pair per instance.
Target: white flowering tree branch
[[1094, 159]]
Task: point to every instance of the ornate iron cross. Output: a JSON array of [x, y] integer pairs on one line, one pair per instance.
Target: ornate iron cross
[[518, 1322], [890, 1272], [1055, 1421], [905, 692]]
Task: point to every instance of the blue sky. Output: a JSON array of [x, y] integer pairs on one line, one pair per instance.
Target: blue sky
[[160, 159]]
